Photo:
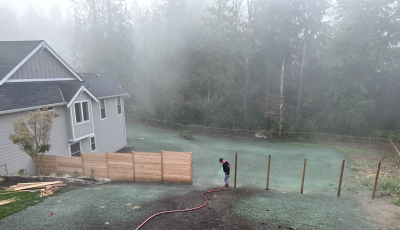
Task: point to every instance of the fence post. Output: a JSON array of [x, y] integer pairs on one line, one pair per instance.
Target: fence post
[[108, 171], [57, 163], [83, 164], [369, 142], [204, 129], [162, 167], [284, 135], [376, 179], [234, 186], [191, 168], [341, 177], [269, 163], [304, 172], [133, 166]]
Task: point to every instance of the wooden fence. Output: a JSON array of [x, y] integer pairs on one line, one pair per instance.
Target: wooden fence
[[172, 167]]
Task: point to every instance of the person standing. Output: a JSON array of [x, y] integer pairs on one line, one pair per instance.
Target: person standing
[[226, 169]]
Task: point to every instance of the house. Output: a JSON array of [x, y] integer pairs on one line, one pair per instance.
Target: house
[[91, 105]]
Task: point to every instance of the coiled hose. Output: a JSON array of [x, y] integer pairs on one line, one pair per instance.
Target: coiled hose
[[190, 209]]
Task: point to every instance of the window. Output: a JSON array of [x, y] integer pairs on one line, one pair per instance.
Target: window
[[93, 143], [103, 109], [81, 112], [119, 107], [78, 113], [75, 149], [85, 111]]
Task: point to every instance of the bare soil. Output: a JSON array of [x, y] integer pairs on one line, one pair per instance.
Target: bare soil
[[218, 214]]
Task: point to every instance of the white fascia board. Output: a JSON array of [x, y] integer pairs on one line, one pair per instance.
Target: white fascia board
[[45, 79], [21, 63], [61, 60], [31, 108], [83, 88], [81, 138], [119, 95]]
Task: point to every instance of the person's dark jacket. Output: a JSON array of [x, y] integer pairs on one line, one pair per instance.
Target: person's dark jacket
[[225, 167]]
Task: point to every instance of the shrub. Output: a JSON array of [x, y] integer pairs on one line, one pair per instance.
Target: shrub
[[21, 172], [1, 179], [386, 185], [75, 174], [59, 174], [187, 135], [396, 201], [92, 173]]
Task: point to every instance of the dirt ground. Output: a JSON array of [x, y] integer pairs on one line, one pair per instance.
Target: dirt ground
[[218, 214]]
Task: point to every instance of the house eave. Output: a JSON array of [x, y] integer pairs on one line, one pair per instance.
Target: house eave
[[119, 95], [82, 88], [31, 108]]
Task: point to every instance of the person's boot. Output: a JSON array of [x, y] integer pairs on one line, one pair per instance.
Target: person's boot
[[227, 186]]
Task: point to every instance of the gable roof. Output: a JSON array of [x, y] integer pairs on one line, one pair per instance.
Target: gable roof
[[32, 95], [101, 85], [13, 54], [22, 96]]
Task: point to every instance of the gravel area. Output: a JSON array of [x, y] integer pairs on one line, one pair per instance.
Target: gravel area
[[126, 205]]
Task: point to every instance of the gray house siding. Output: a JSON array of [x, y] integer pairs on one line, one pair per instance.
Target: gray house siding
[[109, 132], [84, 128], [14, 158], [42, 65]]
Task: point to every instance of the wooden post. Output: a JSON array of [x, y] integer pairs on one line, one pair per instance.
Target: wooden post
[[284, 135], [204, 129], [376, 179], [83, 165], [269, 164], [227, 132], [304, 172], [216, 131], [172, 126], [146, 120], [108, 171], [133, 166], [191, 168], [369, 142], [56, 163], [234, 186], [162, 167], [341, 177]]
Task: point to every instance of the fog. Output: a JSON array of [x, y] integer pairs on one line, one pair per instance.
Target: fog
[[291, 65]]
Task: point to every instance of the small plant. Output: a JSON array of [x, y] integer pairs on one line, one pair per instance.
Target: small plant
[[92, 173], [41, 171], [21, 172], [59, 174], [75, 174], [396, 201], [1, 179]]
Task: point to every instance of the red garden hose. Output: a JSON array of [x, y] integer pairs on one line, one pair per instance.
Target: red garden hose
[[190, 209]]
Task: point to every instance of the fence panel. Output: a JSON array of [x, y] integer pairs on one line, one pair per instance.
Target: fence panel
[[68, 165], [48, 164], [177, 167], [120, 166], [147, 166], [95, 161]]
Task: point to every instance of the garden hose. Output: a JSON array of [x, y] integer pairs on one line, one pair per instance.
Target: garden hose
[[190, 209]]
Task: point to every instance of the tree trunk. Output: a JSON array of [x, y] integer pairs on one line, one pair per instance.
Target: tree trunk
[[246, 83], [301, 77], [281, 106]]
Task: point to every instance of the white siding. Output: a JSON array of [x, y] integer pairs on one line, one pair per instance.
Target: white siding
[[109, 132], [14, 158], [86, 128]]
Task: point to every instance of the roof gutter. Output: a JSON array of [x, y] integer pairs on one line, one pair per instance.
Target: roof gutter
[[125, 94], [31, 108]]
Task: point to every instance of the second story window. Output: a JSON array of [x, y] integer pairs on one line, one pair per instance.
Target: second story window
[[119, 107], [103, 109], [81, 112]]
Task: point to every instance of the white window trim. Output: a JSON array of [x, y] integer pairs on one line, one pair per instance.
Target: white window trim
[[83, 121], [120, 101], [80, 148], [95, 143], [105, 109]]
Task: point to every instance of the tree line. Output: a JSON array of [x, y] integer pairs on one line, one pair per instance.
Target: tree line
[[309, 65]]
